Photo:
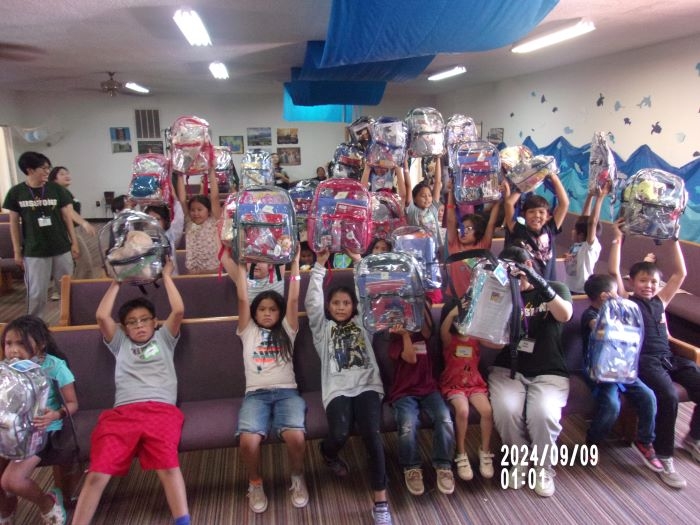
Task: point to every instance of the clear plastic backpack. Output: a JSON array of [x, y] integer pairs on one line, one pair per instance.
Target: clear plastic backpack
[[388, 146], [224, 169], [615, 342], [525, 170], [348, 161], [602, 168], [361, 131], [256, 169], [476, 167], [24, 391], [191, 149], [340, 217], [417, 241], [387, 213], [459, 128], [652, 203], [264, 226], [134, 248], [150, 180], [302, 194], [390, 291], [228, 216], [425, 133]]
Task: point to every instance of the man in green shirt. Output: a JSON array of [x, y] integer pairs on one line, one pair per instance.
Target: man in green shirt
[[41, 225]]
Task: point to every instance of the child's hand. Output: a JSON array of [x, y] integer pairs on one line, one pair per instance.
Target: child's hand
[[397, 329], [617, 228], [45, 419], [356, 257], [607, 188], [322, 256]]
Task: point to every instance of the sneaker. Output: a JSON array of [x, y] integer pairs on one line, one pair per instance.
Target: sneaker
[[648, 455], [516, 477], [300, 494], [414, 481], [464, 469], [54, 296], [381, 514], [670, 476], [544, 484], [337, 464], [257, 501], [57, 514], [485, 464], [445, 480], [692, 446]]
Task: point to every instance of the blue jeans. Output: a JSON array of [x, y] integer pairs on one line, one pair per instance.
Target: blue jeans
[[608, 409], [406, 412], [283, 407]]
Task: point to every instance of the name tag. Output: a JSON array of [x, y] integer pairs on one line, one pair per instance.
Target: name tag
[[526, 345], [420, 347], [44, 221], [464, 351]]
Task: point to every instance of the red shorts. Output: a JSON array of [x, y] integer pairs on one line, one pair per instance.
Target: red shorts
[[149, 430]]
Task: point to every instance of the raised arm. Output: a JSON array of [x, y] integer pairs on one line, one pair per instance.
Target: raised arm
[[614, 260], [677, 277], [509, 200], [364, 180], [214, 194], [401, 184], [181, 193], [107, 325], [293, 293], [177, 306], [445, 335], [562, 200], [314, 302], [437, 180], [594, 217], [487, 239], [451, 218], [239, 275]]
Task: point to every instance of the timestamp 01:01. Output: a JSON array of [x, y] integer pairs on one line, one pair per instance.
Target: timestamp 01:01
[[555, 455]]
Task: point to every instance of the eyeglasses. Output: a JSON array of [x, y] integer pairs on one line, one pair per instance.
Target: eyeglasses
[[467, 229], [132, 323]]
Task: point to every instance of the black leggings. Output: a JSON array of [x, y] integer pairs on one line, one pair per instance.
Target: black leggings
[[364, 410]]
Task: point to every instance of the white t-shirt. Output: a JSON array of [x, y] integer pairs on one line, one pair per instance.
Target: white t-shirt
[[580, 263]]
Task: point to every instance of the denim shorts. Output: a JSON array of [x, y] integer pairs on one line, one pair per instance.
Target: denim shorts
[[277, 408]]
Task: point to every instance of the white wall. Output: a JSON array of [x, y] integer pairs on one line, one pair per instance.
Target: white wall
[[666, 73]]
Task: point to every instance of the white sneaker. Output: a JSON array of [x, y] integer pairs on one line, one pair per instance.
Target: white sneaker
[[670, 476], [381, 514], [300, 494], [692, 446], [257, 500], [464, 468], [544, 484], [485, 464]]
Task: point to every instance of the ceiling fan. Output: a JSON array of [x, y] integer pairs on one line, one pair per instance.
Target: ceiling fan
[[113, 87]]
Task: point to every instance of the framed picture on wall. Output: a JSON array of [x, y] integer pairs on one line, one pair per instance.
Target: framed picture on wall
[[289, 156], [287, 135], [121, 139], [150, 146], [495, 136], [259, 137], [234, 142]]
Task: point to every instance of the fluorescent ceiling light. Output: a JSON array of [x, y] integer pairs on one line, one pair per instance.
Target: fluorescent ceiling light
[[457, 70], [192, 27], [580, 27], [218, 70], [133, 86]]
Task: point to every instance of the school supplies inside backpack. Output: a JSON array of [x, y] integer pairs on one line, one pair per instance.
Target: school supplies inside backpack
[[228, 216], [339, 217], [417, 241], [302, 195], [24, 391], [134, 248], [264, 226], [348, 161], [459, 128], [256, 169], [476, 167], [191, 150], [652, 203], [525, 170], [390, 291], [388, 146], [150, 180], [602, 168], [425, 132], [387, 214], [361, 131], [615, 342]]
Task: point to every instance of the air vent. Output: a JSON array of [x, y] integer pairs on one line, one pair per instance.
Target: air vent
[[147, 124]]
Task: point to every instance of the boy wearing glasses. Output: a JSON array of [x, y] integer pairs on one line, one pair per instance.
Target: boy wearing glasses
[[144, 422]]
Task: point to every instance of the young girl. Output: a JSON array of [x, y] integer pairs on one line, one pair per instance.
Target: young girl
[[28, 337], [173, 228], [351, 386], [462, 384], [202, 235], [271, 399]]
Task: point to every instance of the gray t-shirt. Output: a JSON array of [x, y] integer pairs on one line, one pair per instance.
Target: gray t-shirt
[[144, 372]]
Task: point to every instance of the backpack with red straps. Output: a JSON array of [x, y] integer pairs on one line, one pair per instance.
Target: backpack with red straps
[[340, 217], [191, 152], [476, 166], [150, 180]]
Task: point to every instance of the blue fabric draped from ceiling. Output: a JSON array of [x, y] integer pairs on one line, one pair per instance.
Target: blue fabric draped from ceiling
[[395, 29], [320, 113], [573, 165]]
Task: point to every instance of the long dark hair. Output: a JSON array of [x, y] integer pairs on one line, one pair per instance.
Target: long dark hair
[[33, 328], [278, 336]]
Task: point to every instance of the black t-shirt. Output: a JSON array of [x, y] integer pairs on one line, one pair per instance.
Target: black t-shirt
[[547, 358], [655, 331], [589, 314]]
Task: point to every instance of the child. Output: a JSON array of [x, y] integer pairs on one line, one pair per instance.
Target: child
[[351, 386], [379, 246], [582, 256], [599, 288], [462, 385], [307, 257], [201, 231], [658, 366], [144, 421], [262, 277], [28, 337], [539, 227], [414, 390], [423, 205], [173, 229], [271, 398]]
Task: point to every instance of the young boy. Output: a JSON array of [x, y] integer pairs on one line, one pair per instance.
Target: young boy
[[583, 254], [598, 288], [144, 421], [658, 366], [414, 389], [537, 227]]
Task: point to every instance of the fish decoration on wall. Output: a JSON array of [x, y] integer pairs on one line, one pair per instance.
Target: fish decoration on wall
[[600, 101], [618, 105], [656, 128], [627, 121], [646, 102]]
